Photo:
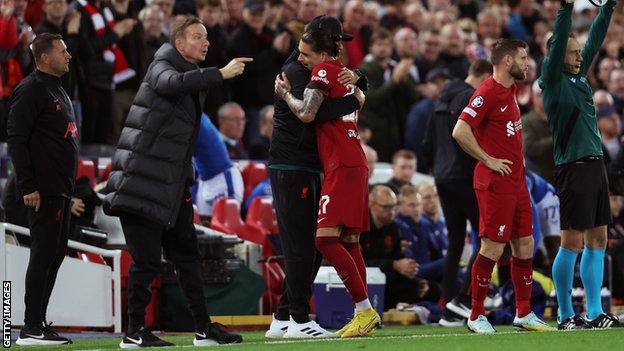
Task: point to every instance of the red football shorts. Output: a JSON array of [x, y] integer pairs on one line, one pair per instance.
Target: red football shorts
[[503, 216], [344, 199]]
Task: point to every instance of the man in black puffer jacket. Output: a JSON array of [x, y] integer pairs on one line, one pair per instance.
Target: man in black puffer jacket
[[148, 187]]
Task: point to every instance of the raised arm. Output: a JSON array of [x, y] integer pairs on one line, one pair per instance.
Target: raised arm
[[552, 68], [597, 33]]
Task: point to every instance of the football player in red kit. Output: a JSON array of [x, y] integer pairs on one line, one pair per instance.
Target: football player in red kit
[[489, 129], [343, 208]]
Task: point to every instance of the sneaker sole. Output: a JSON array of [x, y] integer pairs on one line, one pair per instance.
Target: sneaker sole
[[205, 342], [476, 332], [306, 336], [458, 310], [274, 335], [35, 342], [521, 328], [123, 345], [445, 323]]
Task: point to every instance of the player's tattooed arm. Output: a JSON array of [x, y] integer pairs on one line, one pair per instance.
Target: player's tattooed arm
[[305, 109]]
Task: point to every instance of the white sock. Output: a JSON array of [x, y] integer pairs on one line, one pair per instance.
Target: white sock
[[363, 305]]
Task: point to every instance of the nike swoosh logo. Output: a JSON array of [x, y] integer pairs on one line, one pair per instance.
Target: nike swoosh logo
[[139, 341], [36, 336], [320, 220], [364, 330], [201, 335], [504, 108]]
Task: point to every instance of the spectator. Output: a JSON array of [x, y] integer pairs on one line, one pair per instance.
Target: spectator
[[416, 16], [603, 99], [435, 232], [134, 50], [371, 159], [406, 47], [380, 110], [231, 127], [419, 115], [210, 12], [616, 88], [97, 56], [355, 24], [605, 66], [269, 51], [217, 176], [260, 149], [428, 51], [522, 18], [152, 18], [489, 25], [403, 169], [307, 10], [234, 14], [166, 6], [373, 10], [409, 222], [538, 142], [34, 13], [58, 21], [610, 129], [381, 247], [452, 56]]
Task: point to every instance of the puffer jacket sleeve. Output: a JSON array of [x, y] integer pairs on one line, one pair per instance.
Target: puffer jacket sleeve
[[168, 81]]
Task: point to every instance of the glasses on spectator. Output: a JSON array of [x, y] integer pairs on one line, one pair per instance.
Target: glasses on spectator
[[388, 207]]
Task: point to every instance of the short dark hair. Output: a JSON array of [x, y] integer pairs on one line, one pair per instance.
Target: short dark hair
[[549, 41], [480, 67], [179, 27], [380, 33], [504, 47], [321, 41], [42, 44]]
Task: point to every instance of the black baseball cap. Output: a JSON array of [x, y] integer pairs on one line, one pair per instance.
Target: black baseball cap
[[330, 24]]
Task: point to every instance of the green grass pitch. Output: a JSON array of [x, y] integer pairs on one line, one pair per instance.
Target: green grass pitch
[[429, 338]]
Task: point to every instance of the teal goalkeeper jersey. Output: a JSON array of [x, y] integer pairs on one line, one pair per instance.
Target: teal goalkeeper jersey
[[568, 99]]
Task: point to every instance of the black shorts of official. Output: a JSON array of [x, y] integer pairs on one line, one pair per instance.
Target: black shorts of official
[[583, 191]]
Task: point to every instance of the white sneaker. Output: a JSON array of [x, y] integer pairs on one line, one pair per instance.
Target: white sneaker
[[307, 330], [480, 325], [277, 329], [531, 322]]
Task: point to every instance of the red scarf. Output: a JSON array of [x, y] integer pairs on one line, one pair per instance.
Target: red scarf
[[112, 54]]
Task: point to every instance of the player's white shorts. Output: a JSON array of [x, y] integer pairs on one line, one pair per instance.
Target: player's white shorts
[[228, 183], [548, 210]]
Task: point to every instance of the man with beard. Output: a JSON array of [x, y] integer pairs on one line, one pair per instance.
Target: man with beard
[[489, 129], [581, 178]]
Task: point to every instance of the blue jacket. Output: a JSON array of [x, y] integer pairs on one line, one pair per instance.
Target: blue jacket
[[210, 157], [429, 243]]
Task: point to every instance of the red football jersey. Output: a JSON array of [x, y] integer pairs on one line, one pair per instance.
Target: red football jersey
[[494, 116], [338, 141]]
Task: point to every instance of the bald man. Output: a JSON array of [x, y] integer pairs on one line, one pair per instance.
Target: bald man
[[452, 56]]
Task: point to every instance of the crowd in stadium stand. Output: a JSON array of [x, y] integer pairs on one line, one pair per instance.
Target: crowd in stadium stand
[[408, 49]]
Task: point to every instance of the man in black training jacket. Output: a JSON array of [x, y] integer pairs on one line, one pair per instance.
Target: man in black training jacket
[[294, 168], [42, 142], [148, 187]]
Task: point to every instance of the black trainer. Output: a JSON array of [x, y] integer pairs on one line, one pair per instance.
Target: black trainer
[[142, 338], [459, 307], [573, 323], [451, 319], [30, 336], [604, 321], [215, 334]]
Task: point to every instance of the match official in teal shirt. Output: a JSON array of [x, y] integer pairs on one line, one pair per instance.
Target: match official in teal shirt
[[581, 178]]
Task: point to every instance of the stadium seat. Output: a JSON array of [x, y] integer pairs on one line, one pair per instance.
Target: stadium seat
[[107, 171], [226, 218], [262, 214], [86, 168], [273, 276], [253, 174]]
